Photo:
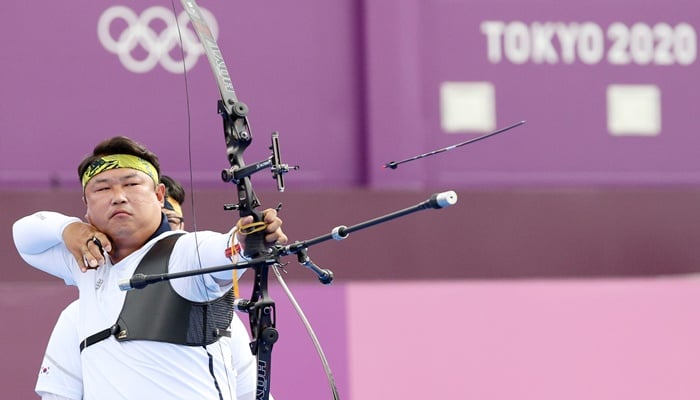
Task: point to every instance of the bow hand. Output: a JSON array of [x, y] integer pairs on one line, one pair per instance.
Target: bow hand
[[258, 232]]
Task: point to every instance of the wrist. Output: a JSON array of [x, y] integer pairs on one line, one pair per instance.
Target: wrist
[[235, 251]]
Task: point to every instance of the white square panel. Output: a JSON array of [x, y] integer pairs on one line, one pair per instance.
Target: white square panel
[[634, 110], [467, 107]]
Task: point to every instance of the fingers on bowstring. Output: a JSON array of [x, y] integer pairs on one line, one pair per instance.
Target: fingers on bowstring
[[93, 254], [102, 241]]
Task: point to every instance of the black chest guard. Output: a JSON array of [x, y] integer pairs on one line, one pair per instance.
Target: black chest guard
[[158, 313]]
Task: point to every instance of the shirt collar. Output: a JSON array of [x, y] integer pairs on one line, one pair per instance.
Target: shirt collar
[[164, 227]]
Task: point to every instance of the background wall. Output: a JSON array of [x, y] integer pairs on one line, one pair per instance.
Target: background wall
[[567, 268]]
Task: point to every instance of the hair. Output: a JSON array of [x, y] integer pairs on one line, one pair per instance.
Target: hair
[[173, 189], [118, 145]]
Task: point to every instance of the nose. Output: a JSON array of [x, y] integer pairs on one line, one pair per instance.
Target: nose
[[118, 195]]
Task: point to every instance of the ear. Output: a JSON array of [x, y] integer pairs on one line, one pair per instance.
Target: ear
[[87, 209], [160, 194]]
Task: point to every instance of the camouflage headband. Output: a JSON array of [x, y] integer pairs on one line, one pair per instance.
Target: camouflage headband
[[113, 161]]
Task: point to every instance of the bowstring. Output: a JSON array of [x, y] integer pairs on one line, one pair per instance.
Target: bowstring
[[189, 135], [232, 389]]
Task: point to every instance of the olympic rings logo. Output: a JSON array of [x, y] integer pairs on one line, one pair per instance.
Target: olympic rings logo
[[158, 46]]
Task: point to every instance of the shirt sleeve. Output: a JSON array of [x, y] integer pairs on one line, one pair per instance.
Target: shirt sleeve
[[199, 250], [39, 241]]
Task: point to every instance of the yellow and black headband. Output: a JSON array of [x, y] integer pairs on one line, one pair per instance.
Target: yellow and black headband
[[113, 161]]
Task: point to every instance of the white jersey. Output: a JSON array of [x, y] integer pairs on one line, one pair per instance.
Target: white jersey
[[60, 376], [60, 373], [137, 369]]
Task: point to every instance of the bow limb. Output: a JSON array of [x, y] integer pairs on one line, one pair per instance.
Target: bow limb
[[237, 132]]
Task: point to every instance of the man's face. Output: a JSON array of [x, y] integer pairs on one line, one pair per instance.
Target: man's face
[[174, 219], [124, 203]]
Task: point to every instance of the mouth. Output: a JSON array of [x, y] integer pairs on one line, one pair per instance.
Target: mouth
[[119, 213]]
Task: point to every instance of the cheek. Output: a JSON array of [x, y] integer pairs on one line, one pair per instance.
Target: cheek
[[145, 200], [93, 210], [149, 196]]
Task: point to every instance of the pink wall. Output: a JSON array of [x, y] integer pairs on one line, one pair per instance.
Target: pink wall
[[529, 339]]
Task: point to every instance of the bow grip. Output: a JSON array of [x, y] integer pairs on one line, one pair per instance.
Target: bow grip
[[254, 235]]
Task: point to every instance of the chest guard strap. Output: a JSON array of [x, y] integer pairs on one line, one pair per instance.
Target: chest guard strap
[[158, 313]]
